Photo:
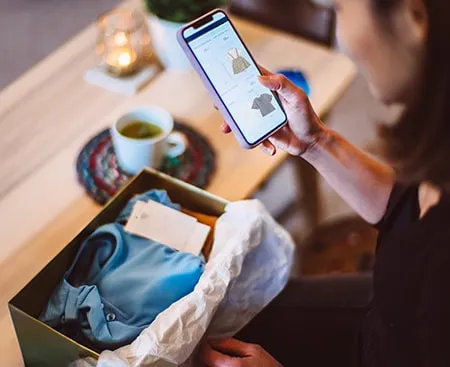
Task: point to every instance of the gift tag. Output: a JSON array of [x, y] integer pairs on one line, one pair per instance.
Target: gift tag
[[197, 239], [162, 224]]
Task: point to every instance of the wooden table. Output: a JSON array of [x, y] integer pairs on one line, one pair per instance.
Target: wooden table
[[48, 113]]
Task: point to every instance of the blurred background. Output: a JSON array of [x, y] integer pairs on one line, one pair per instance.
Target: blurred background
[[32, 29]]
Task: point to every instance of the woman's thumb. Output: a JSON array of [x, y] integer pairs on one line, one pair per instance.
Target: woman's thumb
[[283, 86]]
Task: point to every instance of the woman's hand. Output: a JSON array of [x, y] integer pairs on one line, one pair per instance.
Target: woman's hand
[[304, 127], [234, 353]]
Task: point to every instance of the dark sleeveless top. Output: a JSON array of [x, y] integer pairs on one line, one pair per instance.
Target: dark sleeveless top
[[408, 319]]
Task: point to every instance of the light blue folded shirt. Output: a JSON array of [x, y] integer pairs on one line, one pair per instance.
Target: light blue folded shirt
[[119, 283]]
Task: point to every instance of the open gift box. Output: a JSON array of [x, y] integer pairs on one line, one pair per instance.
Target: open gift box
[[42, 345]]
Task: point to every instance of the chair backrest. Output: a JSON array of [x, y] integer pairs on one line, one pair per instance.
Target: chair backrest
[[300, 17]]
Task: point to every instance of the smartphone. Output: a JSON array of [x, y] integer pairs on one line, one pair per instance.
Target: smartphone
[[230, 74]]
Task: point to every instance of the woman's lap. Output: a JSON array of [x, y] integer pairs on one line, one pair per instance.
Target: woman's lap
[[313, 322]]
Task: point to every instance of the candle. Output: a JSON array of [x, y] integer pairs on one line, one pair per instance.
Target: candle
[[123, 41], [121, 61]]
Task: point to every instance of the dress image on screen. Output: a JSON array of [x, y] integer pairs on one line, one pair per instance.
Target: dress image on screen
[[239, 63], [263, 103]]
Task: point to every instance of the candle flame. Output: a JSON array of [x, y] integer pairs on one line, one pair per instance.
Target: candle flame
[[124, 59]]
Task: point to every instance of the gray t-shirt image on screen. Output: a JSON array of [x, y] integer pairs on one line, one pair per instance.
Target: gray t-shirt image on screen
[[263, 103]]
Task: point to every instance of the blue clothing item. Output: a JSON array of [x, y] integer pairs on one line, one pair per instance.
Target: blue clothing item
[[119, 283], [298, 78]]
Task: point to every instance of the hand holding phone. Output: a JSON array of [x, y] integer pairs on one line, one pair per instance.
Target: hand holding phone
[[230, 74], [304, 128]]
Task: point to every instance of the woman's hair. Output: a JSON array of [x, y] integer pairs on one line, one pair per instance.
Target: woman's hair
[[419, 144]]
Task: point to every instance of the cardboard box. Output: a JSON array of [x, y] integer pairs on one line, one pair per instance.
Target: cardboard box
[[40, 344]]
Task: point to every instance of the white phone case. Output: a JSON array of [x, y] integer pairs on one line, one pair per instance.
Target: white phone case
[[212, 92]]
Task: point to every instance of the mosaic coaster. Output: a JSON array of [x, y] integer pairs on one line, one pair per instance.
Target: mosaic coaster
[[101, 177]]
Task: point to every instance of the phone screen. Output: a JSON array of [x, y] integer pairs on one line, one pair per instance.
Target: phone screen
[[234, 75]]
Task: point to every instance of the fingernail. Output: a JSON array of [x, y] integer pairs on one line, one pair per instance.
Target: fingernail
[[268, 151]]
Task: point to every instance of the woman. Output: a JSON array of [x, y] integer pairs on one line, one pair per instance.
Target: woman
[[402, 49]]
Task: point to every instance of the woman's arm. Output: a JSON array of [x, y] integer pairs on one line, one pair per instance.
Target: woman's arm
[[363, 182]]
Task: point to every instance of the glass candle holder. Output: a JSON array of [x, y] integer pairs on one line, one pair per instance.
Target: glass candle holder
[[123, 41]]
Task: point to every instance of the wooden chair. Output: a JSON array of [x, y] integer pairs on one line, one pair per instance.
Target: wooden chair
[[301, 17], [316, 23]]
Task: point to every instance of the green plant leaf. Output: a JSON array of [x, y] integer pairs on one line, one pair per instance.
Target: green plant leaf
[[182, 11]]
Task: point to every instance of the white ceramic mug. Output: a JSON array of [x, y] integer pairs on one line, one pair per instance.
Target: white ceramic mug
[[135, 154]]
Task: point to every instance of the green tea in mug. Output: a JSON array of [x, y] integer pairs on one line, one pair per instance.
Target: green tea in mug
[[141, 130]]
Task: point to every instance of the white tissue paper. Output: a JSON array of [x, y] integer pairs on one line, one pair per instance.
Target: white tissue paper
[[248, 267]]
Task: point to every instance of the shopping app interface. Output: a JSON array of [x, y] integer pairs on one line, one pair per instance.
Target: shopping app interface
[[235, 77]]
